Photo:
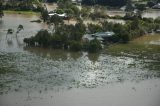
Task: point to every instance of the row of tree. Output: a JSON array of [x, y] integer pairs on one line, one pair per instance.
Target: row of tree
[[115, 3], [1, 10], [19, 5], [65, 37]]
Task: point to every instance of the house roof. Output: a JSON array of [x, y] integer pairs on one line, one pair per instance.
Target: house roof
[[104, 34], [157, 6], [60, 15], [99, 36]]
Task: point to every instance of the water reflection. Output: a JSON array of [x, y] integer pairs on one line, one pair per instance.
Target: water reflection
[[93, 57], [151, 14], [76, 55], [148, 13]]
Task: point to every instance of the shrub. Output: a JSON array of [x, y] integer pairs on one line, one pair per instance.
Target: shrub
[[94, 46], [75, 46]]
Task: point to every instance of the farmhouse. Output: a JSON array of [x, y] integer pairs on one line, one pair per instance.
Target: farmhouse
[[101, 36]]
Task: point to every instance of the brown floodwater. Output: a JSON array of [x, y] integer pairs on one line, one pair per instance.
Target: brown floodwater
[[38, 77], [152, 13]]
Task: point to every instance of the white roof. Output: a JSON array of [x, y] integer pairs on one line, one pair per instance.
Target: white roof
[[91, 37], [60, 15]]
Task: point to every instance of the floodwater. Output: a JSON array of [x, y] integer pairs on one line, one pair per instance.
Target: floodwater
[[153, 13], [38, 77]]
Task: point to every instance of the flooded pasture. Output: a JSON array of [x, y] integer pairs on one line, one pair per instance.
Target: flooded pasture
[[38, 77], [151, 14], [147, 13]]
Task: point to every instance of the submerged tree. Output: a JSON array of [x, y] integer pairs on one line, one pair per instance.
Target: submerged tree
[[44, 15], [20, 27], [1, 14], [94, 46], [56, 20], [9, 31]]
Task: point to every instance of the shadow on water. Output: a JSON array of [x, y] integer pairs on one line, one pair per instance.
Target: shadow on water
[[54, 54], [48, 53], [93, 57]]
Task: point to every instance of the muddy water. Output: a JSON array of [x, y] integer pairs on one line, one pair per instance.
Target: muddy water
[[38, 77], [151, 14], [148, 13]]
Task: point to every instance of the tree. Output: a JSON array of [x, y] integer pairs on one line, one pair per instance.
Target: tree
[[79, 31], [141, 7], [9, 31], [43, 38], [94, 46], [76, 10], [89, 2], [44, 15], [20, 27], [92, 28], [56, 20], [114, 3], [69, 13], [64, 4], [1, 14], [50, 1], [85, 11], [150, 4], [157, 20], [129, 6], [75, 46], [59, 11]]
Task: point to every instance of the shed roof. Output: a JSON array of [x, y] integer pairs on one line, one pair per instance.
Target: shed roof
[[104, 34]]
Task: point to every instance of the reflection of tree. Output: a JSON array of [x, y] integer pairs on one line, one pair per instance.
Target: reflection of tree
[[1, 14], [9, 40], [93, 56], [19, 28], [53, 54], [75, 55]]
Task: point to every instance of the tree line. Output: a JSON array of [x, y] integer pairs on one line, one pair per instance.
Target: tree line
[[67, 37], [22, 5]]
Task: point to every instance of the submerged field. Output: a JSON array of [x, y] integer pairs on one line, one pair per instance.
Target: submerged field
[[147, 45]]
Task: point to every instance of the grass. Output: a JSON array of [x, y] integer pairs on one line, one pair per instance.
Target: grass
[[22, 12], [140, 46]]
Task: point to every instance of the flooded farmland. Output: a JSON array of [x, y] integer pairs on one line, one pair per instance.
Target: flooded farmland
[[38, 77]]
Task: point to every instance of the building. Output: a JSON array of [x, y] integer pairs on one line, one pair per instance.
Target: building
[[101, 36], [78, 2], [60, 15], [157, 6]]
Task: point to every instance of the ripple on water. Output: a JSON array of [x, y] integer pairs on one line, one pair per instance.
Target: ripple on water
[[40, 70], [26, 70]]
